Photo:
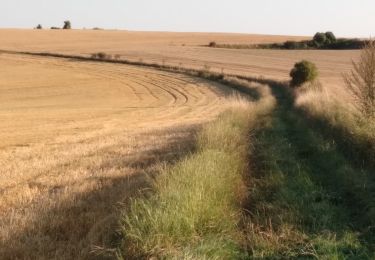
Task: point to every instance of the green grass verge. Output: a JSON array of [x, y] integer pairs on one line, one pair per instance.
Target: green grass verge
[[196, 207], [353, 132], [307, 200]]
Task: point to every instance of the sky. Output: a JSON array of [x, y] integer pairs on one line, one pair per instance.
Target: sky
[[346, 18]]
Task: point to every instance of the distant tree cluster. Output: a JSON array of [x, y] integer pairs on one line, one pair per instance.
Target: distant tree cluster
[[322, 40], [67, 26]]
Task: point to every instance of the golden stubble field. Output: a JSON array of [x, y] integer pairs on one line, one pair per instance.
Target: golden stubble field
[[77, 138], [185, 49]]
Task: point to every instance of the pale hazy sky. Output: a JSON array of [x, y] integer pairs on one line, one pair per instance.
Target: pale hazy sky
[[291, 17]]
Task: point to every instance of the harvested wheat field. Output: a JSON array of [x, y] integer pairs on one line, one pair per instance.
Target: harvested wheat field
[[186, 50], [80, 140], [76, 139]]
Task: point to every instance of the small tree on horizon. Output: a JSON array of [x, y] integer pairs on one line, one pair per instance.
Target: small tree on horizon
[[67, 25], [320, 39], [330, 38], [323, 40], [39, 27]]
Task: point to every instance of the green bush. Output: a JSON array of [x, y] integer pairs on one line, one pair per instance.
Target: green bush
[[304, 71]]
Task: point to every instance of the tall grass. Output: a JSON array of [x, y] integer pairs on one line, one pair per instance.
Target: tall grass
[[307, 200], [342, 120], [196, 207]]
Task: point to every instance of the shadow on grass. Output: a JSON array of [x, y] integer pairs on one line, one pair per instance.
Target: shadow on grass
[[77, 223], [308, 200]]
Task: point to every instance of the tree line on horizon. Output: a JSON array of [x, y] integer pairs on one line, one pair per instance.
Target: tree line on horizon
[[320, 41], [67, 26]]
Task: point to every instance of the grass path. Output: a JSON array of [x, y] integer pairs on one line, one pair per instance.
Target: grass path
[[307, 199]]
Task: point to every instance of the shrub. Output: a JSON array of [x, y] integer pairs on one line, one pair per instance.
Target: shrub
[[212, 44], [55, 28], [67, 25], [361, 80], [39, 27], [101, 56], [347, 44], [293, 45], [290, 45], [303, 72]]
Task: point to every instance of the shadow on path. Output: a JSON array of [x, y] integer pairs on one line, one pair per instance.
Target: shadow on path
[[310, 200]]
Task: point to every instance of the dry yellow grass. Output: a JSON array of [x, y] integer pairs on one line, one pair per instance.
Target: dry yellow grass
[[77, 137]]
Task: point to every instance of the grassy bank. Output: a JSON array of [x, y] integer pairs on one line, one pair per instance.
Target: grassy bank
[[354, 133], [195, 209], [307, 199]]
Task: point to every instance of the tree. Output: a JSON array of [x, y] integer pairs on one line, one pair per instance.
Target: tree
[[361, 81], [320, 39], [330, 38], [39, 27], [67, 25]]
